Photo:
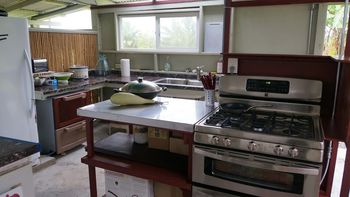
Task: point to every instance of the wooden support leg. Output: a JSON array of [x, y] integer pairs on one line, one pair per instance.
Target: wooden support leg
[[345, 188], [92, 180], [186, 193]]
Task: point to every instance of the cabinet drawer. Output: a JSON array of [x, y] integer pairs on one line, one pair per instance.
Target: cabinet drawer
[[70, 136], [65, 108]]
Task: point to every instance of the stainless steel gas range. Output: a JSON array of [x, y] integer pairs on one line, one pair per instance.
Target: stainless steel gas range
[[265, 139]]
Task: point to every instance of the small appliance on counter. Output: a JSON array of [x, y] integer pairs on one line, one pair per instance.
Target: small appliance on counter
[[79, 72], [40, 65]]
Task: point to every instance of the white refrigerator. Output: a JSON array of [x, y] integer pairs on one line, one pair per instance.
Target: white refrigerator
[[17, 93]]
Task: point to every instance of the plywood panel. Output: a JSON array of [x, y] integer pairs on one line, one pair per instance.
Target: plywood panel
[[63, 50], [342, 115]]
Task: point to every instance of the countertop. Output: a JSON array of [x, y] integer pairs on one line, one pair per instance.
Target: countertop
[[167, 113], [12, 150], [46, 91]]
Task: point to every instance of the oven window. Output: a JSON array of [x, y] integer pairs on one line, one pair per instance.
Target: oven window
[[280, 181]]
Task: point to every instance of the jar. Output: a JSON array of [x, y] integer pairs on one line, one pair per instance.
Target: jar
[[140, 134]]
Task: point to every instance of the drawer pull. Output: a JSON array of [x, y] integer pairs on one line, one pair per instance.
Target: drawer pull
[[69, 98], [76, 127]]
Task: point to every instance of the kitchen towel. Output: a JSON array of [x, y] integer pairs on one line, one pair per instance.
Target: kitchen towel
[[125, 67]]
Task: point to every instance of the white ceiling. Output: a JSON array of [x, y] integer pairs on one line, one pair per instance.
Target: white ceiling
[[38, 9]]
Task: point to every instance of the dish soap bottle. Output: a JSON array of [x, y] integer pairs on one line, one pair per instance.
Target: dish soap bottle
[[167, 65]]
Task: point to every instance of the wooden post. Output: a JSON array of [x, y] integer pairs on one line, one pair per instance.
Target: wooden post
[[90, 152], [226, 36]]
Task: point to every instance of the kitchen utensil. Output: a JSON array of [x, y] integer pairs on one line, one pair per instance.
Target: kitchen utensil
[[234, 107], [79, 72], [38, 81], [62, 76], [209, 97], [142, 88], [208, 81]]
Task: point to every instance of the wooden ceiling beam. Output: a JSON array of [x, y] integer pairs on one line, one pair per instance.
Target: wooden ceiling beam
[[21, 5], [57, 12]]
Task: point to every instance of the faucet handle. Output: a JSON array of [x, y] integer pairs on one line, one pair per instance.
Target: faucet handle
[[200, 67]]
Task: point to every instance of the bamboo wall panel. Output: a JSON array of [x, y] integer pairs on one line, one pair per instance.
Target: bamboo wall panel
[[63, 50]]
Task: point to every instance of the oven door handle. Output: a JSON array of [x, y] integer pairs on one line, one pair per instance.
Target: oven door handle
[[258, 164]]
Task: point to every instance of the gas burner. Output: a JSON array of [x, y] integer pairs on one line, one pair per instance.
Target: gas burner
[[274, 123]]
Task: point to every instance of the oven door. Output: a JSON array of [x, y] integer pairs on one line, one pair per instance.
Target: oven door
[[254, 174]]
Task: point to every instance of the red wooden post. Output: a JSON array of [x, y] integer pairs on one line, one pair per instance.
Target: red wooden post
[[226, 37], [90, 152]]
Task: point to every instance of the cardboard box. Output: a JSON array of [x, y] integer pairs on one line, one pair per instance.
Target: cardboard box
[[164, 190], [177, 145], [118, 184], [158, 138]]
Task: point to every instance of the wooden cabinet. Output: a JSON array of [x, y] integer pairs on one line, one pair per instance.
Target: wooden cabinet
[[70, 136], [70, 129], [65, 108], [59, 127]]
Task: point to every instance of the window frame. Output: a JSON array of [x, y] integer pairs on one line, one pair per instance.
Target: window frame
[[158, 16]]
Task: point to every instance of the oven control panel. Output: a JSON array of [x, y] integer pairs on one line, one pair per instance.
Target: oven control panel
[[280, 150], [270, 86]]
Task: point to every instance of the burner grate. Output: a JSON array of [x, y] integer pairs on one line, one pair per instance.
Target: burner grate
[[265, 122]]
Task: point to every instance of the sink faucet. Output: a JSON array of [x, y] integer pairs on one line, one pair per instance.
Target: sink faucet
[[199, 70]]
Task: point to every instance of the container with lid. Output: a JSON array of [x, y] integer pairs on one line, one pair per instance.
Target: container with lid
[[145, 89], [79, 72], [102, 67]]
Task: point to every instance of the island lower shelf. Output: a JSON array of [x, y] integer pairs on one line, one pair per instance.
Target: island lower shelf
[[139, 169]]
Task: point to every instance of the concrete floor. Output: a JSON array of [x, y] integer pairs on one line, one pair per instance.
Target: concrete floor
[[68, 177]]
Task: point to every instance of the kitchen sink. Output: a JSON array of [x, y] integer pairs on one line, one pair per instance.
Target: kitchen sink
[[179, 82]]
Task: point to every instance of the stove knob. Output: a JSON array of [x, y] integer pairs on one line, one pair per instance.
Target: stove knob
[[227, 142], [278, 150], [293, 152], [252, 146], [214, 140]]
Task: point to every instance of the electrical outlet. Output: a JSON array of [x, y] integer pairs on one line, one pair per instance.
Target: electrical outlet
[[232, 65]]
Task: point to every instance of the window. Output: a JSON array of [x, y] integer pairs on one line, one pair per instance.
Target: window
[[138, 32], [76, 20], [333, 31], [159, 32]]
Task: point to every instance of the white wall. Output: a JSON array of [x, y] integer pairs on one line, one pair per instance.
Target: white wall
[[271, 29]]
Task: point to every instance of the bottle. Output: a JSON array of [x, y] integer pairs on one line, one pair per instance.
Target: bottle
[[167, 65], [102, 66], [219, 66]]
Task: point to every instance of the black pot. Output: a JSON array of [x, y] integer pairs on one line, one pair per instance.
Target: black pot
[[142, 88], [234, 107]]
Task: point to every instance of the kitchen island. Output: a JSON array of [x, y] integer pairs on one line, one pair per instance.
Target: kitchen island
[[167, 113], [16, 174]]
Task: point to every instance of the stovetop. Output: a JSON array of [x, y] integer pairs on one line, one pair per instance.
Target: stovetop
[[273, 123], [273, 116]]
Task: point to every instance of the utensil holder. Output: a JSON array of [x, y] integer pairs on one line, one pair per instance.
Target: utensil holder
[[209, 96]]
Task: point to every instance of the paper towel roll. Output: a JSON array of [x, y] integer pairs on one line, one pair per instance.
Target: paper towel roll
[[125, 67]]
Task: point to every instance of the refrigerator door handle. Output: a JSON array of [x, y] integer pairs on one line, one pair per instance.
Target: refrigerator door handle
[[32, 98]]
